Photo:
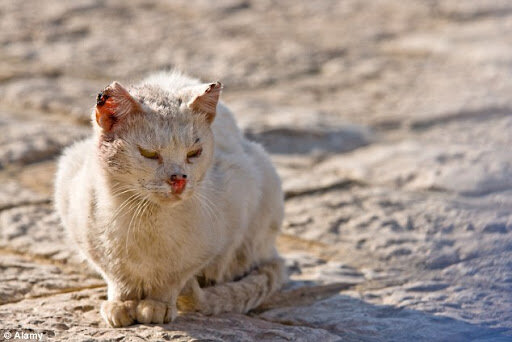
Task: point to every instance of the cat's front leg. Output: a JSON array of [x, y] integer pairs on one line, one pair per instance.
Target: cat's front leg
[[155, 311], [118, 313], [158, 307], [120, 310]]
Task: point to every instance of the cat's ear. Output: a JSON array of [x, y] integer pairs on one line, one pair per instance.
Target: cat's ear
[[113, 104], [205, 99]]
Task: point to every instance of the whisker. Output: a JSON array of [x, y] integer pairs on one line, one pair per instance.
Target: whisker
[[135, 213], [147, 208], [207, 205], [126, 203]]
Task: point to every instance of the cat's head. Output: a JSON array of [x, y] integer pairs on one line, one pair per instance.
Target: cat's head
[[156, 143]]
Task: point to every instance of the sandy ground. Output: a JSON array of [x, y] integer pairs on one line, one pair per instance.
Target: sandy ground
[[389, 121]]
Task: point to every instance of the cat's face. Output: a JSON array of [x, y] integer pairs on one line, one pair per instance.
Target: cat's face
[[156, 144]]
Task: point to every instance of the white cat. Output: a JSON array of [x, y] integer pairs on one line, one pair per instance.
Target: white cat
[[168, 199]]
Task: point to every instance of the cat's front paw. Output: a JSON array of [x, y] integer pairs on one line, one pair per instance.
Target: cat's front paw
[[119, 313], [152, 311]]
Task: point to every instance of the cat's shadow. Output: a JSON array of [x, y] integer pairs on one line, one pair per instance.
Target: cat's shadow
[[326, 308]]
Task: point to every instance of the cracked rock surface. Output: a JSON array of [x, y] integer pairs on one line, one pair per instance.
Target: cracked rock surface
[[389, 122]]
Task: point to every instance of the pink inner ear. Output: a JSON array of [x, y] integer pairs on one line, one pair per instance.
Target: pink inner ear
[[207, 101]]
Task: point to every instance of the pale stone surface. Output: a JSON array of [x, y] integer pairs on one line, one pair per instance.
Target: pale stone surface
[[29, 141], [22, 278], [389, 122], [36, 230], [65, 95], [14, 194]]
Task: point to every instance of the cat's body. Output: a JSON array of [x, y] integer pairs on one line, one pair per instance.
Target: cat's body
[[168, 194]]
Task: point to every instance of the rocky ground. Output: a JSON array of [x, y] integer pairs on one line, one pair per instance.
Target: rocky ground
[[389, 121]]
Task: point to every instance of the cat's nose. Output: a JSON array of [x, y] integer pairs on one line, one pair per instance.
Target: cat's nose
[[178, 176], [177, 182]]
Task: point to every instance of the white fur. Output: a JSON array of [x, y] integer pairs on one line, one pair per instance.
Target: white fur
[[223, 228]]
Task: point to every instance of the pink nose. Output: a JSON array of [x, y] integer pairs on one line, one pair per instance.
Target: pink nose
[[178, 183]]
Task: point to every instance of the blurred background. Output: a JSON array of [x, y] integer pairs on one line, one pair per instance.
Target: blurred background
[[389, 122]]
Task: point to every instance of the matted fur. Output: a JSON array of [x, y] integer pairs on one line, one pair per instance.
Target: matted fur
[[150, 246]]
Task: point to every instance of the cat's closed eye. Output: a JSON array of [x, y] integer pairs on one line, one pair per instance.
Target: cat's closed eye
[[148, 153], [194, 154]]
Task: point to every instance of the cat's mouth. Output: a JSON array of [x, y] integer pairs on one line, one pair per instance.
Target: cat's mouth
[[168, 197]]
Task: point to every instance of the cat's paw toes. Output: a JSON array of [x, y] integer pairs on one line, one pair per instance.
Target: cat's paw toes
[[118, 313], [152, 311]]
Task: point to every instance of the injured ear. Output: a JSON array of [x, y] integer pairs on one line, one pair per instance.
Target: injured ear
[[113, 104]]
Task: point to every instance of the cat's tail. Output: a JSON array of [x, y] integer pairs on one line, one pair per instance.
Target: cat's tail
[[236, 296]]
